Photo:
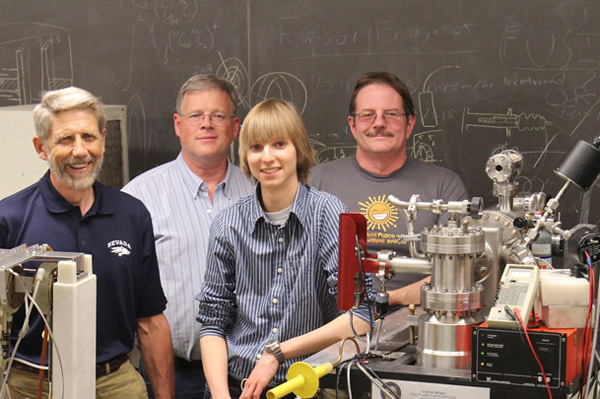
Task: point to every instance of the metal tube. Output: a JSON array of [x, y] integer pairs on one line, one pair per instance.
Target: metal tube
[[410, 265]]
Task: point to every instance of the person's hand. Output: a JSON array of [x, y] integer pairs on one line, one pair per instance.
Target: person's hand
[[261, 375]]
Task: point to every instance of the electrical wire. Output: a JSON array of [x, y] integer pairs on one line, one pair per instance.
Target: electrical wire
[[586, 331], [375, 380], [37, 306], [512, 315], [518, 315], [587, 336], [338, 375], [358, 359], [595, 329], [30, 302], [348, 380], [356, 335], [24, 327], [363, 277], [42, 362], [367, 299]]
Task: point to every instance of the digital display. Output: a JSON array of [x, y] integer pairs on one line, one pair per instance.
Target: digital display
[[520, 273]]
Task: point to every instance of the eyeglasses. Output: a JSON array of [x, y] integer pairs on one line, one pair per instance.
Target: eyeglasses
[[370, 116], [217, 118]]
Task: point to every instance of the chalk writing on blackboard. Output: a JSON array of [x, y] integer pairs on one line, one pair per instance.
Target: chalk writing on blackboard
[[34, 58], [282, 85], [422, 146], [426, 104], [234, 70], [523, 121]]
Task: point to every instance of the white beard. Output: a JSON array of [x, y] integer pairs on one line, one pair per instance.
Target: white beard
[[76, 182]]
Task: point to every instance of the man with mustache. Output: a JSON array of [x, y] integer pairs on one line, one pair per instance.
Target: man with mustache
[[68, 210], [382, 118]]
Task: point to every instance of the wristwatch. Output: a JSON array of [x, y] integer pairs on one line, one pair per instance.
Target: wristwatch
[[272, 346]]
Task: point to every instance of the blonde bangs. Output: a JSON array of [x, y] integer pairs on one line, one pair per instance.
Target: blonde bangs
[[273, 119]]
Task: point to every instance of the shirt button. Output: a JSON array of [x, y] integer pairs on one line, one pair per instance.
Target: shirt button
[[83, 242], [280, 239], [275, 330], [279, 270], [209, 211], [258, 355], [275, 300]]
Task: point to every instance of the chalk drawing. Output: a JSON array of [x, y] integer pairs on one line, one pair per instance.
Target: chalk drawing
[[34, 57], [422, 146], [427, 111], [325, 152], [524, 122], [281, 85], [233, 70]]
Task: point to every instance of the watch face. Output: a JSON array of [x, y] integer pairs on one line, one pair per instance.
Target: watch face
[[271, 343], [272, 346]]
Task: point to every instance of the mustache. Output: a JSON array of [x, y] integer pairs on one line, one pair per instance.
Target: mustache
[[374, 133], [71, 160]]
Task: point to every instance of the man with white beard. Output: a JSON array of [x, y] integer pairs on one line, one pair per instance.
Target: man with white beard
[[68, 210]]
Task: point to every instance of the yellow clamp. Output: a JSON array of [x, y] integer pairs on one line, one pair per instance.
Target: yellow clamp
[[302, 379]]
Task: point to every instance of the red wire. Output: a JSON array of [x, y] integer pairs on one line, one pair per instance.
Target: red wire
[[518, 314], [586, 332]]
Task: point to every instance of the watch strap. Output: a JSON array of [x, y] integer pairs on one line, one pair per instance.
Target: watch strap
[[274, 348]]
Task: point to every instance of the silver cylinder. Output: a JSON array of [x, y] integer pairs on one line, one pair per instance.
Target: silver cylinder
[[452, 297], [445, 340]]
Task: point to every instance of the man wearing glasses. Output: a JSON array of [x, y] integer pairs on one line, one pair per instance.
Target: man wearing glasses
[[183, 197], [382, 118]]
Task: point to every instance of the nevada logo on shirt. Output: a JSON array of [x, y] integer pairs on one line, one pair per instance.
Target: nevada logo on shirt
[[119, 247]]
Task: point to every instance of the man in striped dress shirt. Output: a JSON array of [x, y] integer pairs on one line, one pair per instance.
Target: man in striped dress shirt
[[272, 264], [183, 197]]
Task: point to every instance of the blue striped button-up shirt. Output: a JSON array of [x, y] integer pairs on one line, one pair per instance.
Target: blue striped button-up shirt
[[264, 280], [181, 216]]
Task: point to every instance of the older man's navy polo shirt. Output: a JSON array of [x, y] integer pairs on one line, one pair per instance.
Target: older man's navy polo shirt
[[117, 232]]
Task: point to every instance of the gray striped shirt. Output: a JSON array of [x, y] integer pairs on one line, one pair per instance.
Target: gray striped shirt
[[181, 216], [264, 280]]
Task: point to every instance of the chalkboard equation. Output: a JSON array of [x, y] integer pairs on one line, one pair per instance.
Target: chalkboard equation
[[484, 75]]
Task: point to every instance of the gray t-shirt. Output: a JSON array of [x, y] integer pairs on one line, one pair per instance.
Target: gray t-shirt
[[366, 193]]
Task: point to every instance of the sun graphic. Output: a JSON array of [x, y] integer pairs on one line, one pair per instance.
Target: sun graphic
[[380, 214]]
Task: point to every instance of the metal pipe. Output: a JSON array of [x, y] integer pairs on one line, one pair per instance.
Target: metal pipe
[[410, 265]]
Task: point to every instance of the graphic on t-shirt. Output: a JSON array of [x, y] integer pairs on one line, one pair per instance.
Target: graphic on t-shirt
[[379, 212], [119, 247]]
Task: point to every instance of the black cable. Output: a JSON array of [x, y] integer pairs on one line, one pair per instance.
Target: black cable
[[340, 367], [338, 371], [375, 379]]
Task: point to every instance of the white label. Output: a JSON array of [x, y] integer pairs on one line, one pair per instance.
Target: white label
[[425, 390]]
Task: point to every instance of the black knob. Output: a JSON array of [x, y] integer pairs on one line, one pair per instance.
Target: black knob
[[382, 303], [520, 223], [476, 207]]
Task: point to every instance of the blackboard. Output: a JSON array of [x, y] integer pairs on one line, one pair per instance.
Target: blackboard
[[486, 75]]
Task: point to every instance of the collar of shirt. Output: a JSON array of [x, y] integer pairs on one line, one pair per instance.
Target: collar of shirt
[[194, 183], [56, 203], [298, 210], [383, 178]]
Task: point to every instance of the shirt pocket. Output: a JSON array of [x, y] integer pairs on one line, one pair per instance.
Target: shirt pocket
[[299, 279]]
